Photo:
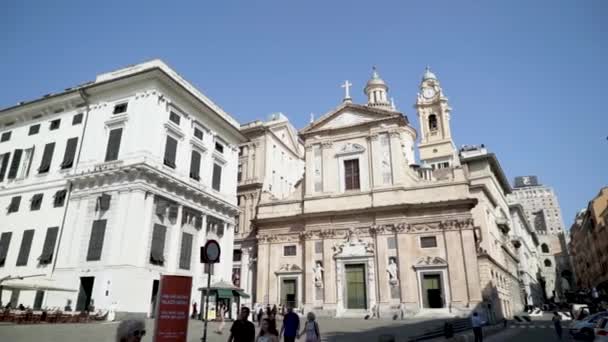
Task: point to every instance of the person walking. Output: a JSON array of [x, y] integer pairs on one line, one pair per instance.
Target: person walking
[[291, 325], [477, 324], [266, 334], [557, 323], [242, 330], [260, 313], [194, 310], [311, 329], [222, 313]]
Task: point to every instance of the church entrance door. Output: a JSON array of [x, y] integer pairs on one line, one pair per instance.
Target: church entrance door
[[356, 296], [432, 291], [288, 292]]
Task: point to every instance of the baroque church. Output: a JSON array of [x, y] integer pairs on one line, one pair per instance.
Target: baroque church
[[369, 230]]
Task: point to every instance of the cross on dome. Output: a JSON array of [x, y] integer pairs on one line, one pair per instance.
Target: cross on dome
[[346, 87]]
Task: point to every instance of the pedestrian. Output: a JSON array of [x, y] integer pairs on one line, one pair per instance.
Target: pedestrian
[[222, 311], [557, 323], [477, 324], [291, 325], [260, 313], [274, 310], [194, 310], [272, 321], [242, 330], [311, 329], [266, 334], [131, 330]]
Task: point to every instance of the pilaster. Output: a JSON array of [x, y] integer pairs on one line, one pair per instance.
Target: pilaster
[[308, 264]]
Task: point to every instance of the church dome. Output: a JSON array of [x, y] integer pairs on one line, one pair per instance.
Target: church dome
[[428, 75], [375, 82]]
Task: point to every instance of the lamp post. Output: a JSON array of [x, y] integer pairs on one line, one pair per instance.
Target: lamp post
[[210, 254]]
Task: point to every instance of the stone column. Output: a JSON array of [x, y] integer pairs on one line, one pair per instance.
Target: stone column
[[330, 272], [382, 259], [173, 245], [470, 259], [307, 265], [245, 274], [457, 271], [261, 295], [406, 243]]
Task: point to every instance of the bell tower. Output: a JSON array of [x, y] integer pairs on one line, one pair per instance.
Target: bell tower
[[436, 146]]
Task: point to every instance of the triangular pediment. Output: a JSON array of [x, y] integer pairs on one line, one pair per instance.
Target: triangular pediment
[[287, 135], [348, 115]]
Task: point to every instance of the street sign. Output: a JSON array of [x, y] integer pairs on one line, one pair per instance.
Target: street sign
[[210, 252], [173, 309]]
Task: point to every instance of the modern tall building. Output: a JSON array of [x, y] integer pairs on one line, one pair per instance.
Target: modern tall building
[[543, 212], [111, 184], [271, 161]]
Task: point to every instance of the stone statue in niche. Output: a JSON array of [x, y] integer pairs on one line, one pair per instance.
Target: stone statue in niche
[[318, 271], [392, 271]]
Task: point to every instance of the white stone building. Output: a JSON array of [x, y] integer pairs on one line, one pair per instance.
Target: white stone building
[[150, 177], [272, 162]]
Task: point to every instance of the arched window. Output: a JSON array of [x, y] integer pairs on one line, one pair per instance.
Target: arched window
[[547, 263], [544, 248], [433, 122]]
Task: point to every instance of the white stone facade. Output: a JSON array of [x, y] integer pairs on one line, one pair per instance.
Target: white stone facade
[[153, 177]]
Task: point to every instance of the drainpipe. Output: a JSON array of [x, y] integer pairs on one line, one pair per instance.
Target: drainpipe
[[85, 97]]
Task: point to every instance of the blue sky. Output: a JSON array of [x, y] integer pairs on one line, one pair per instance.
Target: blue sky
[[526, 78]]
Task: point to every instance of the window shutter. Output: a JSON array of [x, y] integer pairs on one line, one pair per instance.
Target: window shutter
[[170, 150], [47, 157], [348, 175], [26, 245], [70, 152], [34, 129], [49, 245], [59, 198], [5, 241], [14, 206], [356, 184], [158, 245], [77, 119], [217, 177], [186, 251], [113, 144], [96, 242], [12, 172], [4, 164], [195, 165], [36, 202]]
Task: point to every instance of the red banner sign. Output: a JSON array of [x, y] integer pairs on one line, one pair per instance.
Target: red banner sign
[[173, 308]]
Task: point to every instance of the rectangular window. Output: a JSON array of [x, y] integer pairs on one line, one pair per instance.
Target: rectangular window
[[237, 255], [6, 136], [120, 108], [12, 171], [28, 156], [47, 158], [4, 164], [391, 242], [217, 177], [36, 202], [170, 151], [185, 254], [175, 118], [195, 165], [428, 242], [239, 174], [289, 250], [219, 147], [113, 144], [14, 206], [49, 246], [77, 119], [70, 152], [54, 124], [351, 174], [26, 246], [34, 129], [198, 134], [59, 198], [5, 241], [98, 232], [157, 252]]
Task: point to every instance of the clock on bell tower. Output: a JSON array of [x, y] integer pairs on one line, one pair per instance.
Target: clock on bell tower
[[436, 146]]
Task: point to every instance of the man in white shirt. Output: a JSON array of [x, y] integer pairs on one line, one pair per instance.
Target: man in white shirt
[[477, 323]]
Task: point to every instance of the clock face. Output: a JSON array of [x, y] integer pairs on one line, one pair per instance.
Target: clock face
[[428, 92], [212, 251]]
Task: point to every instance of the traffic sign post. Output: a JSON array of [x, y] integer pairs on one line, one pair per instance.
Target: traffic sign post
[[210, 254]]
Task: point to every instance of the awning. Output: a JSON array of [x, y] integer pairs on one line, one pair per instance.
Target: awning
[[35, 285], [241, 293], [224, 293]]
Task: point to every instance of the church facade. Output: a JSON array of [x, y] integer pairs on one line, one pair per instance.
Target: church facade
[[369, 231]]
